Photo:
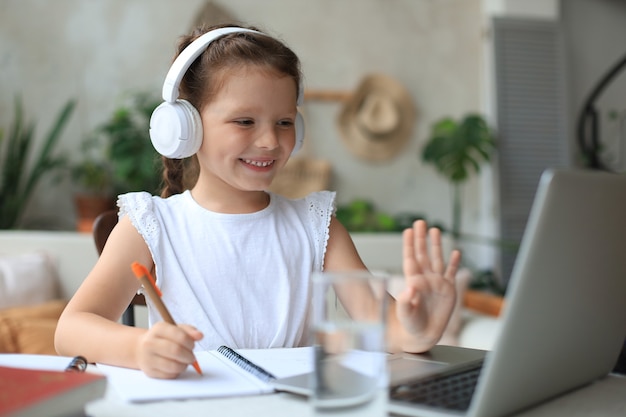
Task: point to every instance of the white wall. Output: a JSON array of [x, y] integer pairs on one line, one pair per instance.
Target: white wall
[[96, 50], [543, 9]]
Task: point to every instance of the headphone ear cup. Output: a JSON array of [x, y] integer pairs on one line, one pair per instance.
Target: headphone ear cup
[[176, 129], [299, 125]]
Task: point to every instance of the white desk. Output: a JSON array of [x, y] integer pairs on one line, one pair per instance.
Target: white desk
[[605, 398]]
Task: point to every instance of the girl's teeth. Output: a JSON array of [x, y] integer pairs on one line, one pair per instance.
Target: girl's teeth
[[258, 163]]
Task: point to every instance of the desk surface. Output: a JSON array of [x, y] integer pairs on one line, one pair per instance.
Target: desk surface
[[604, 398]]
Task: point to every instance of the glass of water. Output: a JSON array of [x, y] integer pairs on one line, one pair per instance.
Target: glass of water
[[349, 314]]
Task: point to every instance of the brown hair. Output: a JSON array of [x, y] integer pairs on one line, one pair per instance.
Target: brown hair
[[204, 78]]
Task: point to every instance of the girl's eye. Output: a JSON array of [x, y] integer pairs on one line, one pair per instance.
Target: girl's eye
[[285, 123], [245, 122]]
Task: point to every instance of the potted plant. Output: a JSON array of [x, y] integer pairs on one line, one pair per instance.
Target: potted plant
[[360, 215], [93, 179], [457, 149], [20, 171], [134, 162], [118, 157]]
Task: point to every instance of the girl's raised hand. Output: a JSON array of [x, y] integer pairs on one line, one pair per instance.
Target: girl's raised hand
[[424, 307]]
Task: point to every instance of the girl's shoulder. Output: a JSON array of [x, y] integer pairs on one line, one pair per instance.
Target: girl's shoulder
[[322, 201], [131, 202], [139, 208], [144, 211], [141, 201]]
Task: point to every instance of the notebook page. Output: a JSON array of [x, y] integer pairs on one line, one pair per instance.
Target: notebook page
[[45, 362], [218, 379], [282, 362]]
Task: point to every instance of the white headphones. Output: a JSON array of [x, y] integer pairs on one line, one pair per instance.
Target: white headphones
[[175, 125]]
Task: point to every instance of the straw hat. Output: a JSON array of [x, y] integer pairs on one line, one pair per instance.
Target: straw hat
[[378, 118]]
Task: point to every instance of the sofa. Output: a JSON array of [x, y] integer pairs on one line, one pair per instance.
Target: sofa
[[40, 270]]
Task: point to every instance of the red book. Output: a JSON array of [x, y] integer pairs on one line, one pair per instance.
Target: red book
[[33, 393]]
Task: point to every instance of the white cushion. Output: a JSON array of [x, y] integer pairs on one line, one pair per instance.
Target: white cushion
[[480, 331], [27, 279]]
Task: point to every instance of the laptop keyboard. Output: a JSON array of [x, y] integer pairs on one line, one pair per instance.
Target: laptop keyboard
[[450, 391]]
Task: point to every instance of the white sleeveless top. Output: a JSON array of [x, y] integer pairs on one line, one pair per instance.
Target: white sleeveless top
[[241, 279]]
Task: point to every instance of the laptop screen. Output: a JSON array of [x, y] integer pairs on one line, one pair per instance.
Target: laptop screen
[[620, 366]]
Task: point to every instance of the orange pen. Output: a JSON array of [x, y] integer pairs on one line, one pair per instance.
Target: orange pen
[[143, 275]]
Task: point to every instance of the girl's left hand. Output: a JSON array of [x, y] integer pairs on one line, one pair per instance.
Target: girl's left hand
[[425, 306]]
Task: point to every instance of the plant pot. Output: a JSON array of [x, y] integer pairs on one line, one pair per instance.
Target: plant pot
[[88, 207]]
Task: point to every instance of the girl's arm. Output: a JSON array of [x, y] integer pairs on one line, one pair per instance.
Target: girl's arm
[[418, 317], [89, 324]]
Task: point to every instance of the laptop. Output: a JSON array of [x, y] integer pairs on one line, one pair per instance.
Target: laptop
[[563, 322]]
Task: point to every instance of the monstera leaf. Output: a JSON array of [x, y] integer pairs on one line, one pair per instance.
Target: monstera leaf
[[458, 148]]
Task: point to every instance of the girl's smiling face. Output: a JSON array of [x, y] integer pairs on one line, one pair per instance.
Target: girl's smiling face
[[249, 130]]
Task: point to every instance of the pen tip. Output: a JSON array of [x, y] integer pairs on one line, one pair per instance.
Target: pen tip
[[197, 368]]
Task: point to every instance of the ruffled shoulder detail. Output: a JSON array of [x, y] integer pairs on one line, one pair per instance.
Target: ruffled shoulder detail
[[139, 207], [321, 207]]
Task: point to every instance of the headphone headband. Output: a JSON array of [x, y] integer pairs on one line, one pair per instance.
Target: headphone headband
[[176, 125], [184, 60]]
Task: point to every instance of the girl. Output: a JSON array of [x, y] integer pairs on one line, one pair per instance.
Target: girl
[[231, 258]]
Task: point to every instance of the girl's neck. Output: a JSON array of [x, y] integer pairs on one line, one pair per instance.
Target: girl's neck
[[231, 201]]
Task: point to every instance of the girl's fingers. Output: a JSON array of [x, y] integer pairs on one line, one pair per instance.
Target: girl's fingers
[[193, 332], [421, 247], [409, 263], [416, 257], [436, 251], [453, 265]]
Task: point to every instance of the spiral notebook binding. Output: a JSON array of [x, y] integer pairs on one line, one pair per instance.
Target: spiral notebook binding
[[244, 363]]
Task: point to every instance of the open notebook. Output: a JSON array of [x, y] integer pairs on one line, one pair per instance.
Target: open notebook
[[225, 373]]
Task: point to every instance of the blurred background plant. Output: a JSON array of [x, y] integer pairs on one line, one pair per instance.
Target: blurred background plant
[[457, 149], [92, 177], [127, 133], [92, 174], [21, 169], [361, 215], [117, 157]]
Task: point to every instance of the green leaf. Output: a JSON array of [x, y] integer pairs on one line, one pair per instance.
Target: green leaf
[[130, 152], [457, 149], [19, 175]]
